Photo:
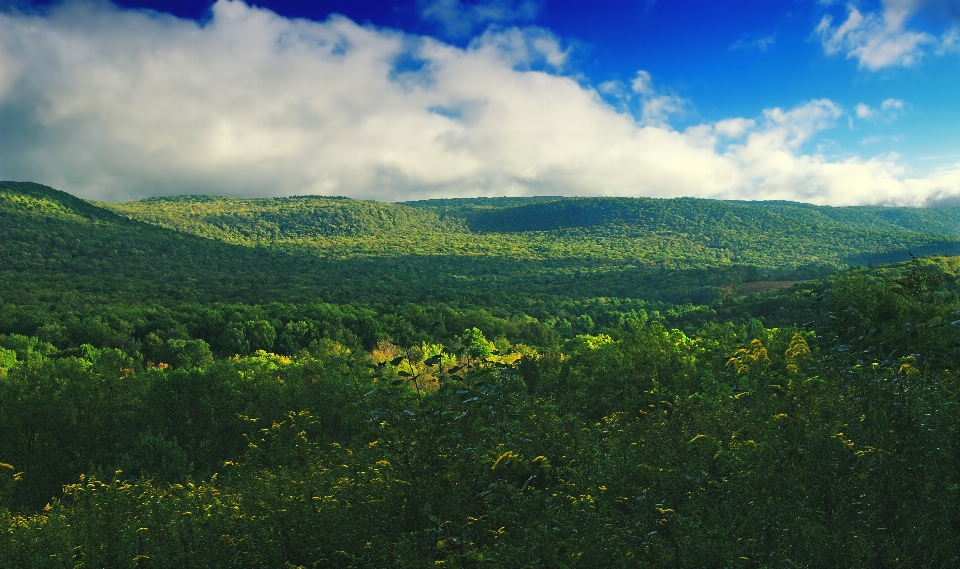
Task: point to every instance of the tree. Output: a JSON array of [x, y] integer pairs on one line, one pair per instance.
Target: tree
[[475, 345], [186, 353]]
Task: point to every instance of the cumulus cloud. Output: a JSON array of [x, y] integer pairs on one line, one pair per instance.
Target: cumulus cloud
[[882, 39], [458, 18], [117, 104]]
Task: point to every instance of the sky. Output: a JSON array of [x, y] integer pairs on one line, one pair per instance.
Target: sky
[[819, 101]]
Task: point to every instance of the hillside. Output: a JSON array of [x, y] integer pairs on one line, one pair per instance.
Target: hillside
[[764, 234], [57, 246], [779, 239], [583, 212], [465, 383], [245, 221], [522, 253], [945, 221]]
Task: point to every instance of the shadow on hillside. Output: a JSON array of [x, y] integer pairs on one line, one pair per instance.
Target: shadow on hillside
[[566, 214], [943, 247]]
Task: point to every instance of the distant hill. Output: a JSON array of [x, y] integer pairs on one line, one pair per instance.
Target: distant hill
[[510, 252], [774, 236], [765, 234], [53, 244], [554, 212], [944, 221]]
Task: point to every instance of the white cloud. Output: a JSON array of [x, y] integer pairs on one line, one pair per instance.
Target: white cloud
[[114, 104], [642, 83], [875, 139], [459, 18], [881, 39], [893, 105], [949, 42], [522, 48], [733, 128], [889, 110], [655, 106], [797, 125]]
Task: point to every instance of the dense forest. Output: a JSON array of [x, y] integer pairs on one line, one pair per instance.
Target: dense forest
[[201, 381]]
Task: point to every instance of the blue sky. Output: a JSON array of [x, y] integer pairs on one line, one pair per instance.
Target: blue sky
[[811, 100]]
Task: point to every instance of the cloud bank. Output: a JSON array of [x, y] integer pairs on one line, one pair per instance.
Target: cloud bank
[[116, 104]]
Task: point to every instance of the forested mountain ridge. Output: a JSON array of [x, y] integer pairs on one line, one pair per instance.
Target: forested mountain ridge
[[944, 221], [770, 235], [682, 214], [745, 231], [517, 250], [56, 246]]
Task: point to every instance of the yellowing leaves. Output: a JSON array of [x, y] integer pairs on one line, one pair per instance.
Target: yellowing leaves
[[798, 352], [743, 360]]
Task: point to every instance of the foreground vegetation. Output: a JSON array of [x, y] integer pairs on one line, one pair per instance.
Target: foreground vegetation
[[145, 424]]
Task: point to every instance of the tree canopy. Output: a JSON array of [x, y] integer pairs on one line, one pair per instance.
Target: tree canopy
[[512, 382]]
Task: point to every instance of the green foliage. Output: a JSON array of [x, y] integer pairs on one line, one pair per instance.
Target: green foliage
[[475, 346], [185, 353], [275, 391], [680, 250]]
